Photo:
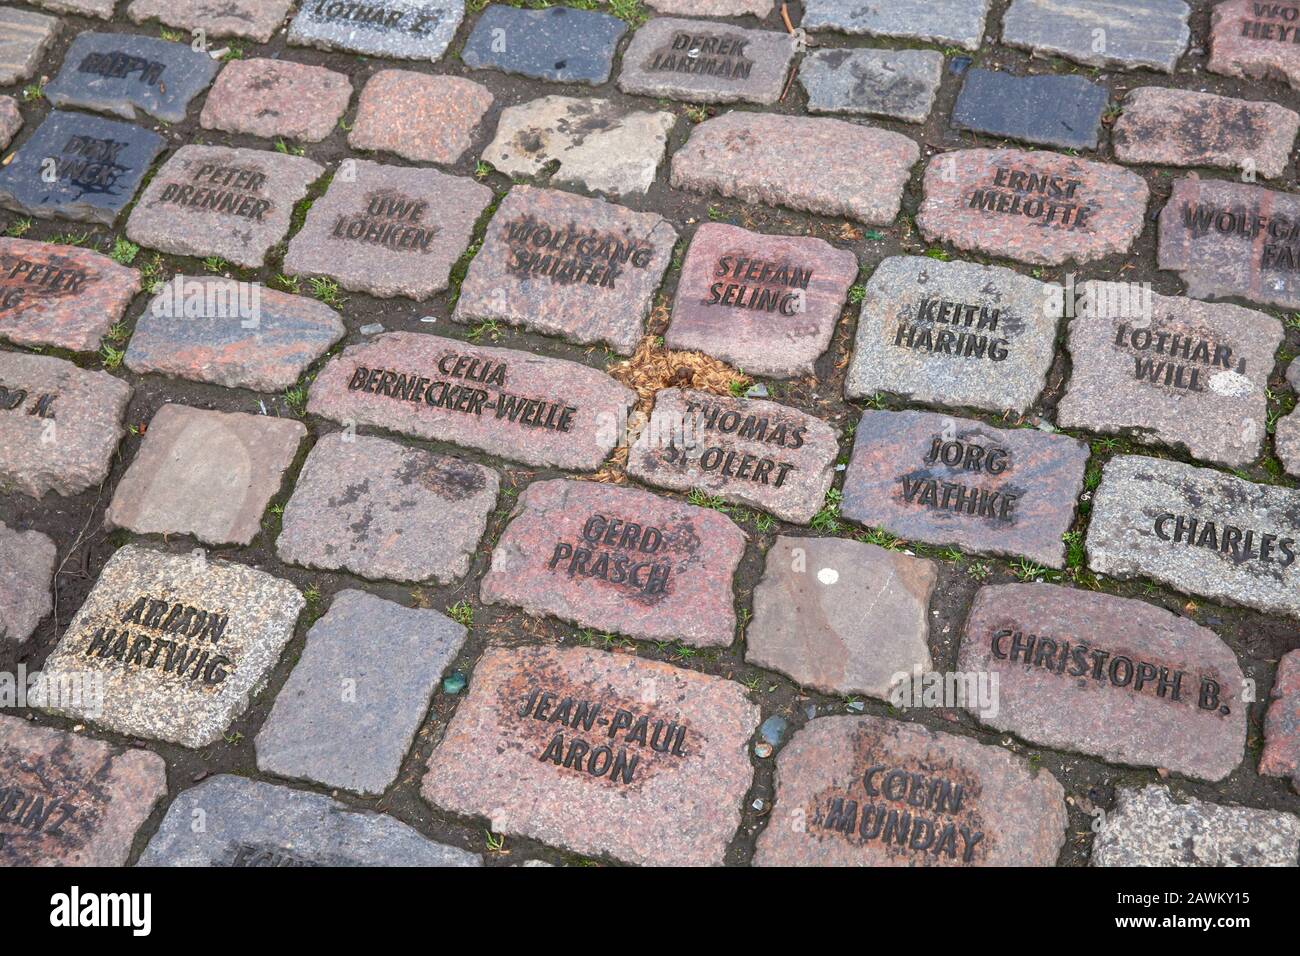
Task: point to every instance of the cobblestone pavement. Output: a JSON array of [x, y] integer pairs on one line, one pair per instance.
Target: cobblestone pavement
[[669, 434]]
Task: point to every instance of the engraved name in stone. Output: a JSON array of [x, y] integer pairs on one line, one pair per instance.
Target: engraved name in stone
[[189, 652], [230, 190], [615, 550], [376, 16], [1048, 200], [90, 162], [959, 497], [703, 55], [118, 65], [38, 813], [1179, 360], [706, 421], [568, 254], [1280, 249], [759, 285], [976, 336], [1242, 544], [389, 220]]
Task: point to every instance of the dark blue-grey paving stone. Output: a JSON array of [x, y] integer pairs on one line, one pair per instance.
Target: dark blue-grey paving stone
[[960, 22], [234, 821], [119, 73], [1129, 34], [97, 165], [400, 29], [350, 709], [897, 83], [1060, 111], [560, 44]]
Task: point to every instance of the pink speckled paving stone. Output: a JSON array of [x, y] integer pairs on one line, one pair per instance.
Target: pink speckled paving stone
[[766, 304], [26, 581], [867, 791], [270, 98], [525, 407], [1038, 207], [67, 800], [1120, 679], [746, 156], [1281, 756], [1256, 39], [603, 754], [253, 19], [11, 120], [619, 559], [427, 119]]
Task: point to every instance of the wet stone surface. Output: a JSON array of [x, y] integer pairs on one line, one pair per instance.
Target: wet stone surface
[[745, 156], [765, 304], [99, 165], [842, 617], [251, 19], [1281, 757], [896, 83], [520, 406], [1198, 531], [1062, 111], [1153, 827], [428, 119], [277, 98], [206, 474], [26, 575], [1138, 34], [583, 269], [24, 38], [559, 44], [249, 823], [67, 800], [753, 452], [396, 29], [941, 480], [954, 333], [179, 642], [956, 22], [1255, 40], [1173, 371], [61, 296], [218, 201], [1120, 679], [868, 791], [11, 120], [618, 559], [386, 511], [349, 711], [579, 748], [388, 230], [59, 424]]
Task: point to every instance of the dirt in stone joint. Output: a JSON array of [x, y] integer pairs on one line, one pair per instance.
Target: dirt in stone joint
[[76, 523]]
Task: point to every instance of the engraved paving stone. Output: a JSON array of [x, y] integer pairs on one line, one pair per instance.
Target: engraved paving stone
[[955, 333], [240, 335], [867, 791], [427, 119], [388, 230], [1232, 239], [1281, 757], [1153, 827], [749, 451], [98, 166], [59, 424], [599, 146], [180, 643], [26, 575], [1256, 40], [218, 201], [897, 83], [766, 304], [11, 120], [270, 98], [252, 19], [842, 617], [1171, 371], [951, 481], [24, 38], [566, 265], [1137, 34], [1120, 679], [251, 823], [127, 75], [398, 29], [62, 296], [558, 44], [746, 156], [1168, 127], [386, 511], [1038, 207], [704, 62], [1199, 531], [619, 559], [525, 407], [958, 22], [1062, 111], [208, 474], [391, 658], [67, 800], [580, 748]]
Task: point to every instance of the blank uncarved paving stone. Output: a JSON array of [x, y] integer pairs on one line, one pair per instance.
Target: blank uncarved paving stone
[[840, 616], [713, 8], [349, 711], [11, 120], [898, 83], [386, 511], [218, 201], [86, 8], [599, 146], [26, 575], [1286, 442], [1137, 34], [1152, 827], [1051, 110], [268, 98], [560, 44], [1281, 756], [206, 474], [388, 230], [252, 19], [959, 22], [428, 119], [398, 29], [249, 823], [1255, 40], [24, 38]]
